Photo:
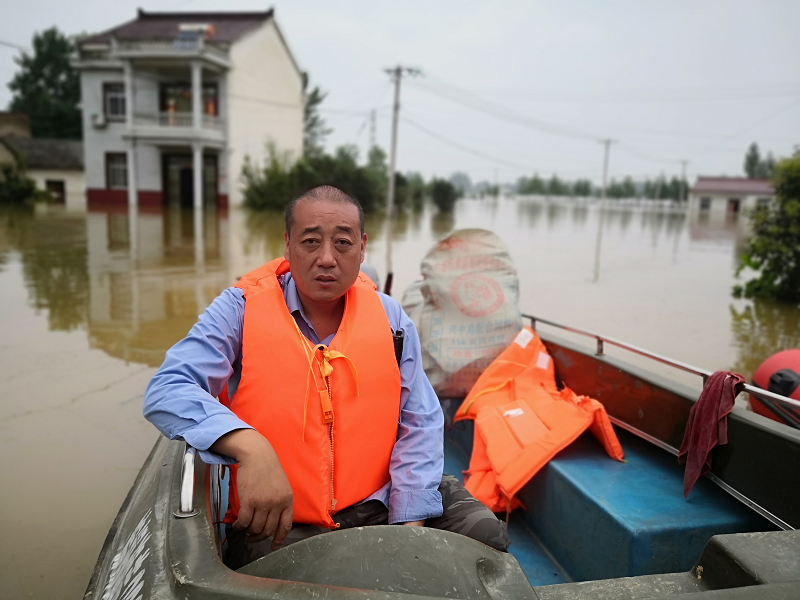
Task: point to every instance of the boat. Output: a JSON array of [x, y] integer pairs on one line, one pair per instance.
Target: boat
[[594, 528]]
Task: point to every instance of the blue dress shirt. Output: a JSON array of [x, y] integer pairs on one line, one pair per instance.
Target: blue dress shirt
[[181, 399]]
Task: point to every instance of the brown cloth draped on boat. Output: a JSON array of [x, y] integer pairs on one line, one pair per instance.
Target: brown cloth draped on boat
[[708, 425]]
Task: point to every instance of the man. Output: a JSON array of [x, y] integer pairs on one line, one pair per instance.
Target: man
[[326, 427]]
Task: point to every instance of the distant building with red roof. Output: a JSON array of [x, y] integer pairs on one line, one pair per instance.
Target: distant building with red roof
[[728, 196]]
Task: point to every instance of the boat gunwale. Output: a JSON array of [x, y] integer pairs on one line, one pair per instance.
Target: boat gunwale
[[686, 393]]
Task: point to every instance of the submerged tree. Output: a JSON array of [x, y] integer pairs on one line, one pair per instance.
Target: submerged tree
[[774, 248], [272, 186], [444, 194], [15, 186], [47, 87]]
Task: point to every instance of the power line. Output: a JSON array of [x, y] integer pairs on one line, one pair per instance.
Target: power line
[[13, 45], [461, 147], [503, 113]]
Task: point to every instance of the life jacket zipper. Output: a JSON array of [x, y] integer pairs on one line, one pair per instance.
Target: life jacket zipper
[[332, 505]]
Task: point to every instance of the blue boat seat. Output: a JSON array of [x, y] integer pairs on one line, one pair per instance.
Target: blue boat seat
[[600, 519]]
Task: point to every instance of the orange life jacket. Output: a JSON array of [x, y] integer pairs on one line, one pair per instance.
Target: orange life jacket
[[523, 421], [331, 414], [521, 367]]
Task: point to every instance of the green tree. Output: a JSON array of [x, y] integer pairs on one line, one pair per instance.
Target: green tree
[[314, 127], [751, 161], [15, 187], [443, 194], [556, 187], [47, 87], [416, 191], [582, 187], [378, 171], [272, 186], [757, 168], [534, 185], [774, 248]]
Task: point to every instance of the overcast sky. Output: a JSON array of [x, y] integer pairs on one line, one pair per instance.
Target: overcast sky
[[516, 87]]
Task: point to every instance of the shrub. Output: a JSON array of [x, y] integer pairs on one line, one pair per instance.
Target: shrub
[[774, 248], [15, 187]]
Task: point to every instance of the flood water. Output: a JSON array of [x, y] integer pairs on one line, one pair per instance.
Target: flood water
[[90, 303]]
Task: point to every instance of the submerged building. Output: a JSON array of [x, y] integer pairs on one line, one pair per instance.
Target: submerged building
[[725, 197], [173, 103]]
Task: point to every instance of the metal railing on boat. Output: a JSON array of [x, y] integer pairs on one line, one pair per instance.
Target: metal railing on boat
[[602, 340]]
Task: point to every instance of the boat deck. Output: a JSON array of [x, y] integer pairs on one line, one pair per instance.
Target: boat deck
[[590, 517]]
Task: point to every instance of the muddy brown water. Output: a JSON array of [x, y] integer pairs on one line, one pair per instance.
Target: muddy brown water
[[90, 302]]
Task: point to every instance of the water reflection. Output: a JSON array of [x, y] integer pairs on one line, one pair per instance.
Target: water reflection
[[136, 280], [443, 223], [53, 257], [761, 329]]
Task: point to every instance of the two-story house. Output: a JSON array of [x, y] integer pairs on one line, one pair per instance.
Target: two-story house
[[174, 102]]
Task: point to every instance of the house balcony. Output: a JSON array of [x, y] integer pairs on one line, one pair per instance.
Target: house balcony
[[179, 49], [177, 127]]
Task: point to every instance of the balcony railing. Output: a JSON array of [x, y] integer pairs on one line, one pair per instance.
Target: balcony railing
[[178, 46], [176, 119]]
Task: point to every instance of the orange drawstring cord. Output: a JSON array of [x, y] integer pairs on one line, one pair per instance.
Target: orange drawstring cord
[[325, 368]]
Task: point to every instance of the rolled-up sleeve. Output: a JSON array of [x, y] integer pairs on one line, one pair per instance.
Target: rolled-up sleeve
[[418, 456], [181, 398]]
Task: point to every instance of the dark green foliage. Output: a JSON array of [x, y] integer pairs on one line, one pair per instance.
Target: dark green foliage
[[15, 187], [556, 187], [534, 185], [582, 187], [444, 194], [47, 87], [416, 191], [757, 168], [774, 248], [624, 189], [314, 128], [273, 186]]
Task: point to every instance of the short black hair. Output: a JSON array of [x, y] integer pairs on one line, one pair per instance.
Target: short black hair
[[323, 192]]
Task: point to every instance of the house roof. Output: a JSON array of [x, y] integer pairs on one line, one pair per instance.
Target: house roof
[[733, 185], [40, 153], [228, 26]]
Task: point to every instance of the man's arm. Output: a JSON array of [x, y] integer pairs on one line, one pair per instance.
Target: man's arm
[[181, 402], [181, 398], [418, 456], [265, 496]]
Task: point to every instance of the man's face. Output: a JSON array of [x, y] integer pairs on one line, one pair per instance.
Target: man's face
[[325, 249]]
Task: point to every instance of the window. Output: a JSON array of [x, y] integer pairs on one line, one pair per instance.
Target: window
[[57, 189], [733, 206], [116, 171], [114, 101], [763, 202], [705, 203]]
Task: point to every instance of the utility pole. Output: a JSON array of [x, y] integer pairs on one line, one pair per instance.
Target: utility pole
[[601, 217], [607, 143], [396, 75]]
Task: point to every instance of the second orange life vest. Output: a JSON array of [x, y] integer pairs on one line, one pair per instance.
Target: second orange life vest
[[522, 421], [331, 414]]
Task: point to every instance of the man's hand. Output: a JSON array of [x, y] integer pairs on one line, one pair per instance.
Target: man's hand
[[415, 523], [265, 496]]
